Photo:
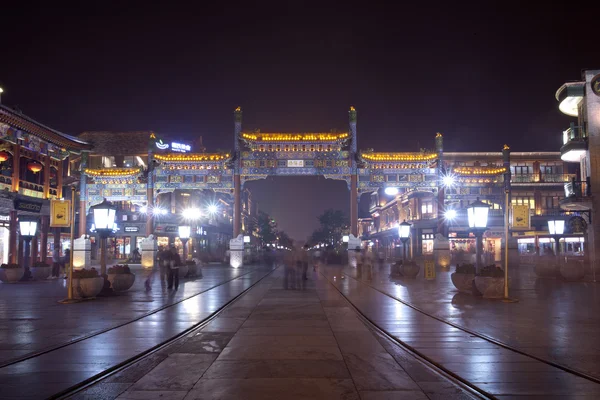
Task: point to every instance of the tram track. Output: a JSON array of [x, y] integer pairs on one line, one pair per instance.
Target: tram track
[[471, 332], [86, 383], [110, 328]]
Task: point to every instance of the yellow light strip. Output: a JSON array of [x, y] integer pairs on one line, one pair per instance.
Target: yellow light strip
[[295, 137], [399, 156], [479, 170], [191, 157], [112, 171]]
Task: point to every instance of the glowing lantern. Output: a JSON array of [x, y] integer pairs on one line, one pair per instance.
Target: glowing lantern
[[34, 167], [3, 156]]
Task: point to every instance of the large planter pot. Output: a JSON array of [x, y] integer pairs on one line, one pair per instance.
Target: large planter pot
[[183, 271], [410, 269], [490, 287], [121, 282], [192, 269], [11, 275], [463, 282], [572, 270], [546, 268], [87, 287], [40, 273]]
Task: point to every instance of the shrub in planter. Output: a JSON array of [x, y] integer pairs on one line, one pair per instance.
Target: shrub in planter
[[462, 278], [120, 277], [87, 283], [490, 282], [40, 271], [572, 270], [11, 273], [409, 269]]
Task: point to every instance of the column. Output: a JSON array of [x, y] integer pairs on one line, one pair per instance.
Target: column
[[16, 174], [44, 237], [354, 204], [150, 197], [59, 181], [56, 234], [20, 251], [47, 177], [34, 250], [173, 202], [237, 206], [82, 195], [12, 238]]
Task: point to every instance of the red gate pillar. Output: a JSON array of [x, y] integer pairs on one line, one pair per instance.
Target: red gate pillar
[[12, 238], [354, 205], [149, 209], [237, 206], [34, 251], [44, 238]]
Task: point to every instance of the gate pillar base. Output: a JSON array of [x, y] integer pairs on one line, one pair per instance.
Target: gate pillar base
[[236, 251], [353, 243]]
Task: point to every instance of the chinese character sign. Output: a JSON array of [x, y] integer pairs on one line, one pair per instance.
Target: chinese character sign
[[520, 216], [60, 213]]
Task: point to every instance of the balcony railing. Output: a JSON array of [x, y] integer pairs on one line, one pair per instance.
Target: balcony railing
[[574, 133], [578, 189], [541, 178]]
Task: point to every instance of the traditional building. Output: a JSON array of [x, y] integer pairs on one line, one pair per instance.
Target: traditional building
[[34, 162]]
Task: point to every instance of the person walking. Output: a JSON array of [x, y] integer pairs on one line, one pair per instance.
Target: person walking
[[359, 262], [305, 260], [66, 262], [174, 263], [55, 263]]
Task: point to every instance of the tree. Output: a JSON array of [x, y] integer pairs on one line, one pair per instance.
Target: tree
[[267, 228], [284, 239], [334, 223]]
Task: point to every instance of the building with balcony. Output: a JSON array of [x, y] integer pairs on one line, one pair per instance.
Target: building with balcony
[[581, 147], [34, 164]]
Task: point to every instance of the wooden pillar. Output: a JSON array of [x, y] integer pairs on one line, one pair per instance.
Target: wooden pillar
[[237, 203], [20, 251], [59, 180], [354, 204], [56, 233], [34, 250], [82, 196], [16, 174], [47, 177], [44, 237], [12, 238]]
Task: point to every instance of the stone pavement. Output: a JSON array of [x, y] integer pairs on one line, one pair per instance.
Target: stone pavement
[[48, 374], [31, 319], [281, 344], [553, 319]]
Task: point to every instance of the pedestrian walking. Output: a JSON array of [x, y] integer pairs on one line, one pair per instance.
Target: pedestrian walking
[[305, 259], [174, 263], [55, 263], [359, 262], [288, 261], [66, 262]]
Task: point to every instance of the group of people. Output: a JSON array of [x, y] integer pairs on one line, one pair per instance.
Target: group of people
[[60, 263], [168, 261], [365, 262], [296, 264]]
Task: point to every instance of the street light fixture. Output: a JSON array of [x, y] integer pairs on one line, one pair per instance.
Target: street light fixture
[[191, 213], [391, 191], [556, 227], [184, 235], [450, 215], [404, 233], [477, 213], [28, 229], [104, 224]]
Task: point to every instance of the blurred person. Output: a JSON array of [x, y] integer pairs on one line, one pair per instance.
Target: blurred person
[[359, 262], [174, 263]]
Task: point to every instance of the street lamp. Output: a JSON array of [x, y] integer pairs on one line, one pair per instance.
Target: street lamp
[[556, 227], [404, 233], [28, 229], [104, 223], [184, 235], [477, 213]]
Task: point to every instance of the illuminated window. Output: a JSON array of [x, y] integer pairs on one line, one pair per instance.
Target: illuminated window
[[426, 207]]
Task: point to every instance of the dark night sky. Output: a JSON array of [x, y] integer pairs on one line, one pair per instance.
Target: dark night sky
[[484, 75]]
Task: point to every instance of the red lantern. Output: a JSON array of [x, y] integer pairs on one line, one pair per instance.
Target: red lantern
[[34, 167], [4, 156]]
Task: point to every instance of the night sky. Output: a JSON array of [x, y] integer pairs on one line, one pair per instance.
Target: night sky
[[483, 75]]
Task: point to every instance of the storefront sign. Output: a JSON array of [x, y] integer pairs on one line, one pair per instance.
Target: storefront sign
[[595, 83], [132, 229], [60, 213], [166, 229], [27, 205], [295, 163], [520, 216], [429, 269], [577, 225], [174, 146]]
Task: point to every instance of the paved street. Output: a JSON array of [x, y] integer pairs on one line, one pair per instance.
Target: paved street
[[31, 319], [569, 313]]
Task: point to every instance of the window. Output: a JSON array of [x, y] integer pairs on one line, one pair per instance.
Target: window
[[426, 207], [427, 243], [524, 200]]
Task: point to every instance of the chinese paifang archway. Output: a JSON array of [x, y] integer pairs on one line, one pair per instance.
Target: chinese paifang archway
[[257, 155]]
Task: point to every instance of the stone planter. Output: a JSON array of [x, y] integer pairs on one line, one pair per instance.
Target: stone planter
[[121, 282], [572, 270], [11, 275], [463, 282], [192, 270], [490, 287], [40, 273], [546, 268], [183, 271], [87, 287], [410, 269]]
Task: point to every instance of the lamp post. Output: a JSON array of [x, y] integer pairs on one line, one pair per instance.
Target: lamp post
[[104, 223], [28, 229], [477, 214], [184, 235], [404, 233], [556, 227]]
